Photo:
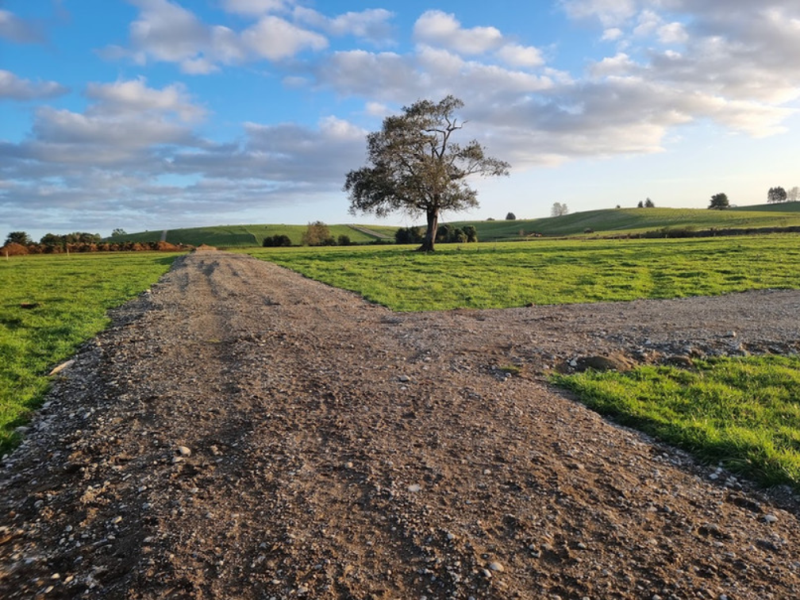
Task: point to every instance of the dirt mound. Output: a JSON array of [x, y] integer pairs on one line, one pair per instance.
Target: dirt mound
[[243, 432]]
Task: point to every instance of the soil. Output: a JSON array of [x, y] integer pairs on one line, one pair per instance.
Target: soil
[[243, 432]]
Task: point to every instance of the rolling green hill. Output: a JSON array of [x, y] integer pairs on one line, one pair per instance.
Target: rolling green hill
[[601, 222], [229, 236], [631, 220]]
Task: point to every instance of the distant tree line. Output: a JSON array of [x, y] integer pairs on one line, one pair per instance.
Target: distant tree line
[[19, 243], [777, 194]]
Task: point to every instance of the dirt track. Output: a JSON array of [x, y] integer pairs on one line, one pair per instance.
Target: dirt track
[[243, 432]]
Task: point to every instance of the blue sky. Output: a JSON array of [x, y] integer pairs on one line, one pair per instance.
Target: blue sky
[[154, 114]]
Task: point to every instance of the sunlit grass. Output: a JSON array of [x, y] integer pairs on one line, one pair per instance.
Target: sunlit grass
[[68, 297], [500, 275], [741, 412]]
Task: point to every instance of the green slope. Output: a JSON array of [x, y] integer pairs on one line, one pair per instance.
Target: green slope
[[639, 219], [243, 236]]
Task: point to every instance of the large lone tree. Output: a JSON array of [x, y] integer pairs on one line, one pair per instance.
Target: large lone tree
[[414, 166]]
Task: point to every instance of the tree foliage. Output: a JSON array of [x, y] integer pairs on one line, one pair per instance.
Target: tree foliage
[[777, 194], [18, 237], [277, 241], [719, 202], [511, 217], [792, 194], [409, 235], [559, 209], [318, 234], [415, 166], [649, 203]]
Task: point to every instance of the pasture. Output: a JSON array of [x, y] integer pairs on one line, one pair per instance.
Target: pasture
[[237, 236], [606, 222], [49, 306], [504, 275]]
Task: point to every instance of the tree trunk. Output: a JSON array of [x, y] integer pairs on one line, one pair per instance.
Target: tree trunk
[[430, 235]]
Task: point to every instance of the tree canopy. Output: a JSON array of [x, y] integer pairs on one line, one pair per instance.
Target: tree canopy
[[18, 237], [777, 194], [719, 202], [414, 166]]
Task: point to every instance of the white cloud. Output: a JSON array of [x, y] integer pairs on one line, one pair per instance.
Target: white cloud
[[673, 33], [13, 87], [437, 28], [167, 32], [612, 34], [275, 39], [520, 56], [619, 64], [134, 97], [611, 13], [19, 30], [372, 24], [255, 7]]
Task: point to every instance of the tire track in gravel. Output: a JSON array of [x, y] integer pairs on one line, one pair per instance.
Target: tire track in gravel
[[338, 450]]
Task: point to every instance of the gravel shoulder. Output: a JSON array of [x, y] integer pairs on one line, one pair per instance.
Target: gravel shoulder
[[243, 432]]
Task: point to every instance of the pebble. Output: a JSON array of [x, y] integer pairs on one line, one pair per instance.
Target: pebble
[[414, 488], [184, 451], [770, 519], [496, 566]]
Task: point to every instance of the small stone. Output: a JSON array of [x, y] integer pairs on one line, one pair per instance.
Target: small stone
[[414, 488], [770, 519], [496, 566], [116, 520], [184, 451], [403, 379]]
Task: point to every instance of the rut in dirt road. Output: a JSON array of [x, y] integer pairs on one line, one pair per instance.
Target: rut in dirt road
[[244, 432]]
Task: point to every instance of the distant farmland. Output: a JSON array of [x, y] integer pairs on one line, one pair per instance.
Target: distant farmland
[[242, 236], [601, 222]]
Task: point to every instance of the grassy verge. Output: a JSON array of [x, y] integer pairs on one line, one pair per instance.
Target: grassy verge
[[549, 271], [741, 412], [50, 305]]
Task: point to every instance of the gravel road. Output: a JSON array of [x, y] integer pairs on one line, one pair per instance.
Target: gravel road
[[243, 432]]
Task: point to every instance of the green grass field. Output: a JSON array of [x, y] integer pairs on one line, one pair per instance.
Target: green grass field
[[637, 220], [604, 223], [549, 271], [71, 295], [238, 236], [742, 413]]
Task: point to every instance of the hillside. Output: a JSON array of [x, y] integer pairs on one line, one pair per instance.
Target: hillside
[[639, 219], [601, 222], [229, 236]]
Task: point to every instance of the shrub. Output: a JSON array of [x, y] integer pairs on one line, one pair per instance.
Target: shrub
[[276, 241], [409, 235], [344, 240], [14, 249], [318, 234]]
